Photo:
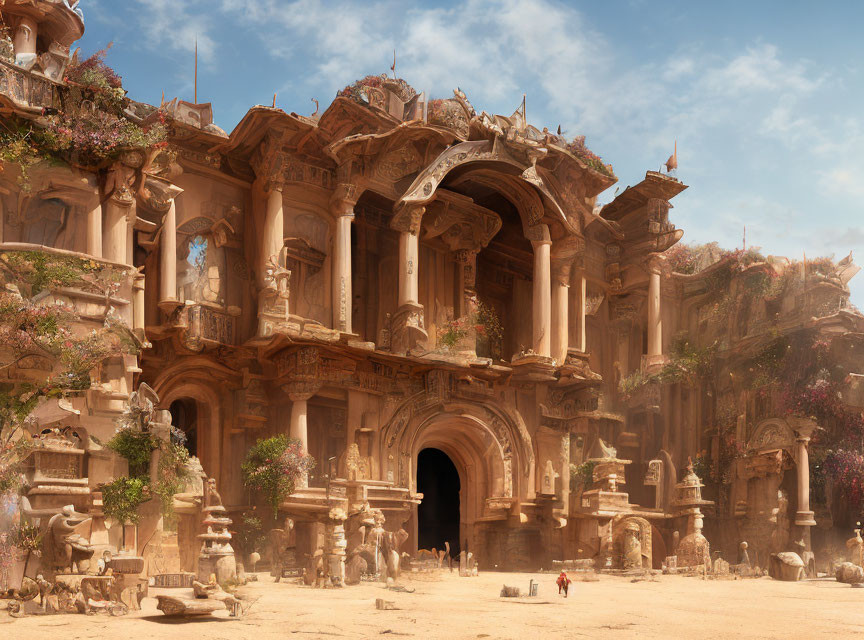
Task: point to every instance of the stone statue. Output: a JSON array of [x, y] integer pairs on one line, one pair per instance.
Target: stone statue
[[65, 551], [855, 547], [632, 551], [213, 499], [780, 518], [743, 556]]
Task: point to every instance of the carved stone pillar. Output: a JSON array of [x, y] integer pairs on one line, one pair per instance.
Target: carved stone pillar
[[120, 208], [466, 261], [94, 230], [298, 429], [273, 277], [24, 41], [343, 211], [581, 305], [542, 293], [408, 323], [655, 321], [273, 233], [138, 304], [168, 253], [560, 311], [116, 227], [804, 516]]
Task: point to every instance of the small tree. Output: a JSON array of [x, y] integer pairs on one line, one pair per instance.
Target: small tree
[[273, 465]]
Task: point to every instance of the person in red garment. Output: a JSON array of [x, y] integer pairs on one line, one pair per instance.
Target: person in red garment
[[563, 583]]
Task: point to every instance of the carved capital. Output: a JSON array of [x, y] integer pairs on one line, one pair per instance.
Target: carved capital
[[656, 263], [270, 160], [343, 200], [157, 193], [561, 270], [408, 219], [301, 390], [538, 234]]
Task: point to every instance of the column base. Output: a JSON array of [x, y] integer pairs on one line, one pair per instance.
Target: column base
[[169, 306], [408, 328], [805, 519], [652, 364]]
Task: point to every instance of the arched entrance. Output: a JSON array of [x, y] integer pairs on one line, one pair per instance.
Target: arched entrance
[[184, 417], [438, 515]]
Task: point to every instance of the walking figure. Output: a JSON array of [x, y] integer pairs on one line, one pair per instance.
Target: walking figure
[[563, 582]]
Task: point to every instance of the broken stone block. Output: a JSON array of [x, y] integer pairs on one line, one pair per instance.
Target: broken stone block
[[787, 566], [384, 605], [849, 573]]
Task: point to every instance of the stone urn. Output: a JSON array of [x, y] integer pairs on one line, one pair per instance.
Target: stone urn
[[16, 570], [253, 560]]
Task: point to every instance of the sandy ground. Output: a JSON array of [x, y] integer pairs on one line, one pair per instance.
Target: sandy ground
[[446, 606]]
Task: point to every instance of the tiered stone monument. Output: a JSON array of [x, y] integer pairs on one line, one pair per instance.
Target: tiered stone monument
[[693, 550], [217, 555]]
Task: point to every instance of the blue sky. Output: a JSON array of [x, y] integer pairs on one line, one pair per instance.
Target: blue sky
[[764, 98]]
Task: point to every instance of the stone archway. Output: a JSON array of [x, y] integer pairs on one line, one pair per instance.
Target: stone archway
[[438, 515]]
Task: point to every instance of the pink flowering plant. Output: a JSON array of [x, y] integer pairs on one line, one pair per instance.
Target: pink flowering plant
[[577, 148], [845, 468], [273, 466], [89, 128], [44, 350], [483, 322]]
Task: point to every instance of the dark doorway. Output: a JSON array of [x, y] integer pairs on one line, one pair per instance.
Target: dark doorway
[[184, 417], [438, 514]]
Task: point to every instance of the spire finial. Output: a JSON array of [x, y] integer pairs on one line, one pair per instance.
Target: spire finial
[[393, 66], [196, 69], [672, 162]]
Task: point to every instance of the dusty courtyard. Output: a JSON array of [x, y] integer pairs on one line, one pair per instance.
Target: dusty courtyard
[[446, 606]]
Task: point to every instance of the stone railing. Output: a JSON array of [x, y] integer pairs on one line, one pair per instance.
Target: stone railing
[[26, 89]]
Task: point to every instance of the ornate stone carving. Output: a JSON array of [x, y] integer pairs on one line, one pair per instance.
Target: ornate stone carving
[[408, 219]]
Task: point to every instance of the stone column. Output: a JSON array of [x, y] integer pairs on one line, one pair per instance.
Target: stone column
[[408, 324], [24, 42], [408, 272], [116, 232], [581, 305], [804, 516], [561, 313], [94, 230], [466, 261], [138, 304], [341, 268], [273, 233], [299, 409], [168, 261], [298, 428], [119, 208], [655, 322], [542, 293]]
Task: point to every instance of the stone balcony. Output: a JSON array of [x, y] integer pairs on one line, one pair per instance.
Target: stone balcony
[[27, 90]]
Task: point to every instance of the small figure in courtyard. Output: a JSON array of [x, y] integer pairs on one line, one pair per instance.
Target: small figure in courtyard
[[563, 583]]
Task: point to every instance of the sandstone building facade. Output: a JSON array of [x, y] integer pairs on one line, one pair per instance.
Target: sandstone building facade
[[396, 274]]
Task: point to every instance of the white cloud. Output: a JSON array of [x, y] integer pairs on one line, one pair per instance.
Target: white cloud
[[175, 25], [846, 181], [760, 69]]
